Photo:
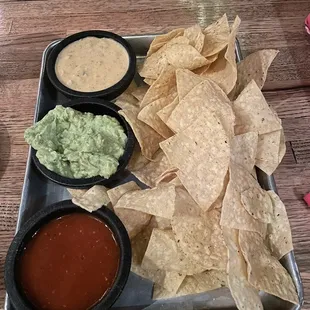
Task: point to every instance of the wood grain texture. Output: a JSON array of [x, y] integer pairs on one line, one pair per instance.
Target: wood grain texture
[[26, 28]]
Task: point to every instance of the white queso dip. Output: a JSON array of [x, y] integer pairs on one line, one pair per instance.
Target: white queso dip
[[92, 64]]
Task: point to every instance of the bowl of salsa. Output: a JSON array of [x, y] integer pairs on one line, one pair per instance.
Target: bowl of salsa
[[67, 258]]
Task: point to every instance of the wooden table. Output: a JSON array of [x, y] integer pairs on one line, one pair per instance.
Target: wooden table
[[26, 27]]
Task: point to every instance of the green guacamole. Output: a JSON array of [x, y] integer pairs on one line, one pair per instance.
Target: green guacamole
[[78, 145]]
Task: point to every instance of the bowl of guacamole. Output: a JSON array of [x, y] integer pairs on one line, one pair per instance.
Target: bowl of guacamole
[[81, 143]]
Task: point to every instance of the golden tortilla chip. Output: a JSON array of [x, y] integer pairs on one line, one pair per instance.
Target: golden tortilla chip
[[149, 116], [195, 36], [165, 113], [140, 92], [243, 150], [162, 253], [282, 147], [149, 81], [224, 70], [93, 199], [216, 37], [184, 56], [76, 193], [126, 100], [161, 87], [254, 67], [279, 234], [206, 97], [147, 137], [134, 221], [244, 294], [160, 223], [206, 143], [161, 40], [234, 215], [137, 160], [253, 113], [264, 271], [167, 176], [151, 171], [203, 282], [158, 201], [258, 203], [268, 149]]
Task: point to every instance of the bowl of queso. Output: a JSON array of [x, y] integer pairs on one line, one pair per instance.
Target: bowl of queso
[[92, 64], [67, 258]]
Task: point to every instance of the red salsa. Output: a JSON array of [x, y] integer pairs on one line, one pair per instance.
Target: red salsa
[[70, 263]]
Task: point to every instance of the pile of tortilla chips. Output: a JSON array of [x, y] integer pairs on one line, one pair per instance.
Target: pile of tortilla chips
[[203, 124]]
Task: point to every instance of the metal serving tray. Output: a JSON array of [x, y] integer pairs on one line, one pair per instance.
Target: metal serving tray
[[39, 192]]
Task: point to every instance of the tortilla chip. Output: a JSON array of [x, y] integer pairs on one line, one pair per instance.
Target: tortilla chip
[[137, 160], [160, 223], [76, 193], [244, 294], [203, 282], [264, 271], [117, 192], [162, 253], [205, 97], [140, 92], [149, 116], [158, 201], [224, 70], [258, 203], [200, 238], [147, 137], [161, 40], [126, 100], [253, 113], [268, 149], [151, 171], [93, 199], [216, 37], [234, 215], [282, 147], [167, 176], [254, 67], [206, 143], [149, 81], [161, 87], [184, 56], [195, 36], [279, 234], [165, 113], [243, 150]]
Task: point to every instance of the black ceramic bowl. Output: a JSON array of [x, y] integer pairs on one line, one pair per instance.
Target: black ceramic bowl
[[97, 107], [109, 93], [41, 218]]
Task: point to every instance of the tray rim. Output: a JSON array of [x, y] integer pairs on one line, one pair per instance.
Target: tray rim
[[288, 260]]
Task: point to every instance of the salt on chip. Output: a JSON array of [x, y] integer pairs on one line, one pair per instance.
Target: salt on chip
[[244, 294], [265, 272], [149, 116], [206, 142], [243, 150], [161, 87], [203, 282], [254, 67], [195, 36], [151, 171], [161, 40], [147, 137], [165, 113], [253, 112], [205, 97], [158, 201], [258, 203], [93, 199], [134, 221], [224, 70], [279, 234], [234, 215], [184, 56], [216, 37], [162, 253], [268, 149]]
